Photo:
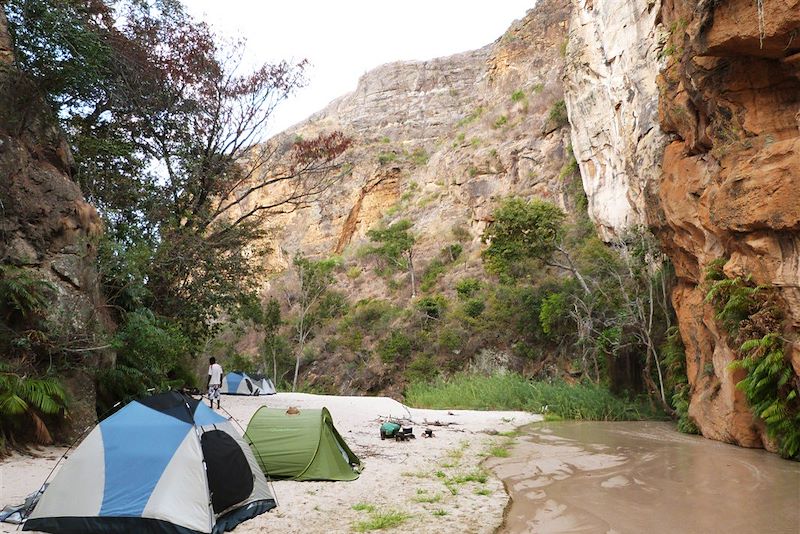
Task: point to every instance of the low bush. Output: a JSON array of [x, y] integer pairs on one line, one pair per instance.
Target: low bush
[[466, 287], [433, 306], [474, 307], [558, 114], [386, 157], [422, 369], [396, 346], [152, 353], [435, 269]]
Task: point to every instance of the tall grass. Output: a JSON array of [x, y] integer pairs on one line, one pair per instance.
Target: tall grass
[[511, 391]]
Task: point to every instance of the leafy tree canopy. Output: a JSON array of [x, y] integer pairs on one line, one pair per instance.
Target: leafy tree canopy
[[521, 231], [167, 128], [395, 242]]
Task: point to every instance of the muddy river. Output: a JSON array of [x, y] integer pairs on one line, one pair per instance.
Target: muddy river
[[637, 477]]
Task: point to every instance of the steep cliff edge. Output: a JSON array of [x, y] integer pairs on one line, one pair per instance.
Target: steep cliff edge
[[437, 141], [731, 97], [613, 58], [47, 230], [712, 174]]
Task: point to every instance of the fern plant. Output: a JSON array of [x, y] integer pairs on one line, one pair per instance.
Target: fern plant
[[27, 401], [753, 315], [770, 390], [735, 299], [677, 381], [21, 293]]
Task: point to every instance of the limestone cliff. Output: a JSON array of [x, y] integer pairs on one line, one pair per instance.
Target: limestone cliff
[[731, 98], [728, 100], [46, 227], [438, 141], [614, 55]]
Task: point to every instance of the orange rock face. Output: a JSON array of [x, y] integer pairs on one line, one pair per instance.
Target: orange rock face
[[729, 188]]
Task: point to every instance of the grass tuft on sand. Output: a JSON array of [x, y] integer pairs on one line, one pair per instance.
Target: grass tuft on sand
[[382, 520]]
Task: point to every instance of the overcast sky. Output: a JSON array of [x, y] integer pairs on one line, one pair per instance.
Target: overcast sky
[[343, 39]]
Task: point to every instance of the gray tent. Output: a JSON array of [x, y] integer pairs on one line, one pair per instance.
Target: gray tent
[[263, 383]]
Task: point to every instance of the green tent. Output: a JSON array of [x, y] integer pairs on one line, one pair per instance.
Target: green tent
[[302, 446]]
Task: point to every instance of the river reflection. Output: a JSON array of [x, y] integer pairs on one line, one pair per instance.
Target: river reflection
[[635, 477]]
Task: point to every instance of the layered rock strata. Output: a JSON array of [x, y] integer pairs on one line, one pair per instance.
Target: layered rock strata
[[438, 142]]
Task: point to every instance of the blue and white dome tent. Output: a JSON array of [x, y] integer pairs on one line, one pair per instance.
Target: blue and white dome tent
[[240, 383], [162, 464]]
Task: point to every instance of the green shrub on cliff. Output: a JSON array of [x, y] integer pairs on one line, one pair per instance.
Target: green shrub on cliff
[[752, 316], [557, 116], [396, 347], [770, 390]]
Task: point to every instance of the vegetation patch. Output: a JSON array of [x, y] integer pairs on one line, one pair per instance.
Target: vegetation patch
[[396, 347], [511, 391], [752, 316], [499, 451], [363, 507], [387, 157], [501, 121], [382, 520], [557, 117], [472, 117], [420, 156], [423, 496]]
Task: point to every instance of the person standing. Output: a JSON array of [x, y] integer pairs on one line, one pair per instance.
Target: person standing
[[214, 383]]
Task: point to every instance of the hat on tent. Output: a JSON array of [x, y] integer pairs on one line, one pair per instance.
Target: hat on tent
[[238, 383], [162, 464], [302, 446], [263, 383]]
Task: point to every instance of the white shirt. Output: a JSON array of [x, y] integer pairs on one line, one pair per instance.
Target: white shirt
[[215, 372]]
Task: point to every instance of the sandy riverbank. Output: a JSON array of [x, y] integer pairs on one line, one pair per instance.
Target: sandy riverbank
[[397, 476]]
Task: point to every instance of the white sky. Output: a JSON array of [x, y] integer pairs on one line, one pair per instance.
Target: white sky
[[343, 39]]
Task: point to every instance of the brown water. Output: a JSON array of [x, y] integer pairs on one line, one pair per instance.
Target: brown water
[[637, 477]]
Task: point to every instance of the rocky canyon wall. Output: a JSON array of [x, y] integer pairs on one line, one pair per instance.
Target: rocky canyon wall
[[713, 174], [613, 57], [46, 228], [438, 142], [731, 101]]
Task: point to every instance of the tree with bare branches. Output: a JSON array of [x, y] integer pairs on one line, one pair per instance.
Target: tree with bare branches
[[168, 126]]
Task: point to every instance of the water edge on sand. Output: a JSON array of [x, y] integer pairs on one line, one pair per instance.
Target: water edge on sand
[[633, 477]]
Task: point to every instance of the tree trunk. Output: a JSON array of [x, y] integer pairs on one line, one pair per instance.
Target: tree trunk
[[570, 266], [301, 335], [297, 367], [274, 363], [582, 282], [413, 280]]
